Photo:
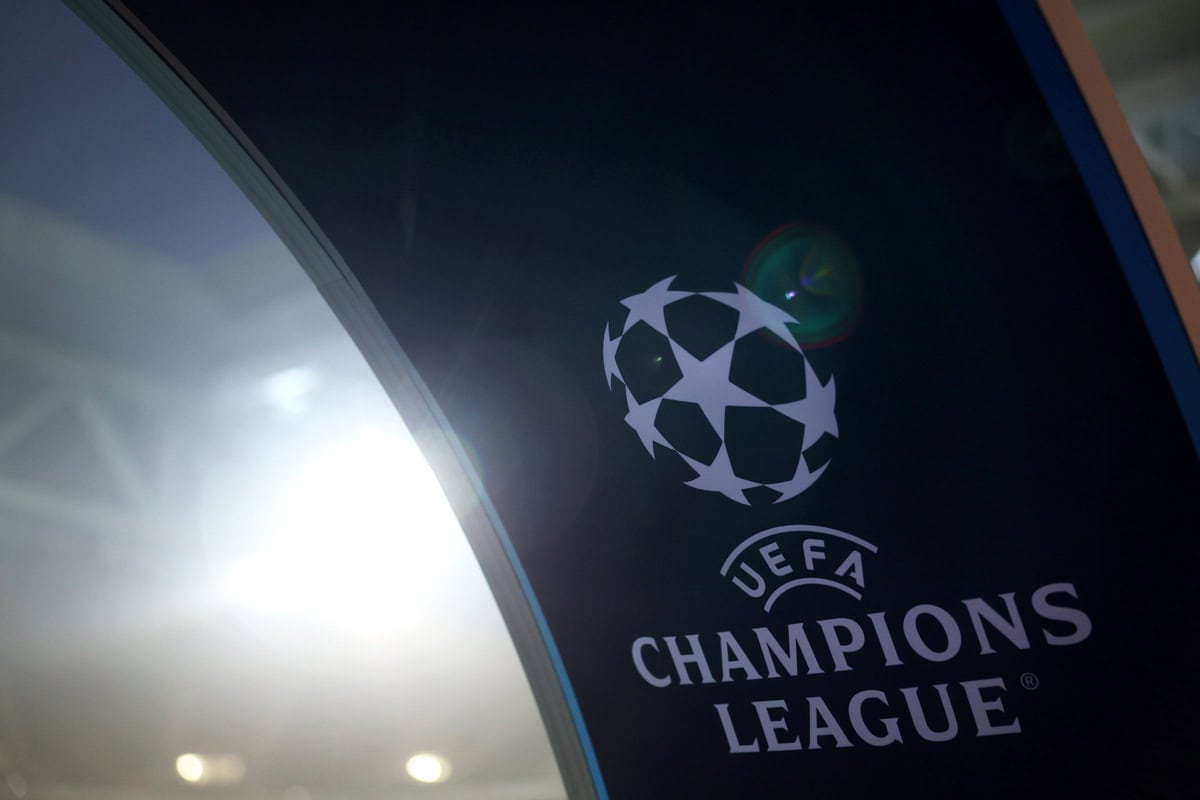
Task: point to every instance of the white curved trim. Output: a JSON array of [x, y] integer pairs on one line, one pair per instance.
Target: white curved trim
[[775, 595]]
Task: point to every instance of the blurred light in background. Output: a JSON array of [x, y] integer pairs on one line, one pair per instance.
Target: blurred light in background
[[213, 769], [428, 768], [190, 767], [290, 390], [339, 548]]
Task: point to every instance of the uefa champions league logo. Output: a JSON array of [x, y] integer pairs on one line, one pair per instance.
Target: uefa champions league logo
[[693, 372]]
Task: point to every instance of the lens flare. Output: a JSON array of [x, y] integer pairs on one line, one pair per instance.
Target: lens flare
[[810, 272]]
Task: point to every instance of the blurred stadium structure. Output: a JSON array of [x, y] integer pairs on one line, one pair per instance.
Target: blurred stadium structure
[[1151, 52], [216, 536], [140, 401]]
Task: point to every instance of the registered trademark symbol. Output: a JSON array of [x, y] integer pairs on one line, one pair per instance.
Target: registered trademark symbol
[[1029, 681]]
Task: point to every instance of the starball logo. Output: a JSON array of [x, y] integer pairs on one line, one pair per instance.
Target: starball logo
[[670, 368], [663, 365]]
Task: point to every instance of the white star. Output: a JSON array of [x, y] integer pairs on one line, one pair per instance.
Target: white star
[[648, 306], [610, 356], [755, 313], [706, 383], [815, 411], [641, 419], [719, 477], [799, 482]]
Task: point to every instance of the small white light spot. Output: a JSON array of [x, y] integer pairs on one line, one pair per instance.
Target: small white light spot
[[210, 769], [427, 768], [190, 767]]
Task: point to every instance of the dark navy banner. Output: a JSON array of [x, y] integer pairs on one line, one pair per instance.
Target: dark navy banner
[[794, 353]]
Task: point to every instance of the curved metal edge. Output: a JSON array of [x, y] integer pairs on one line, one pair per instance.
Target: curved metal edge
[[250, 171]]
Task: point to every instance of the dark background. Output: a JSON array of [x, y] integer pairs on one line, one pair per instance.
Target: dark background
[[499, 181]]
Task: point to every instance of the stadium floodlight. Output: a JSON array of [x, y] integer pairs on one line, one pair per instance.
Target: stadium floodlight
[[427, 768], [357, 536], [199, 769]]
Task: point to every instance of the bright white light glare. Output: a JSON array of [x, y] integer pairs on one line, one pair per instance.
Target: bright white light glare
[[359, 535], [427, 768], [1196, 265], [289, 389], [216, 769], [190, 767]]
